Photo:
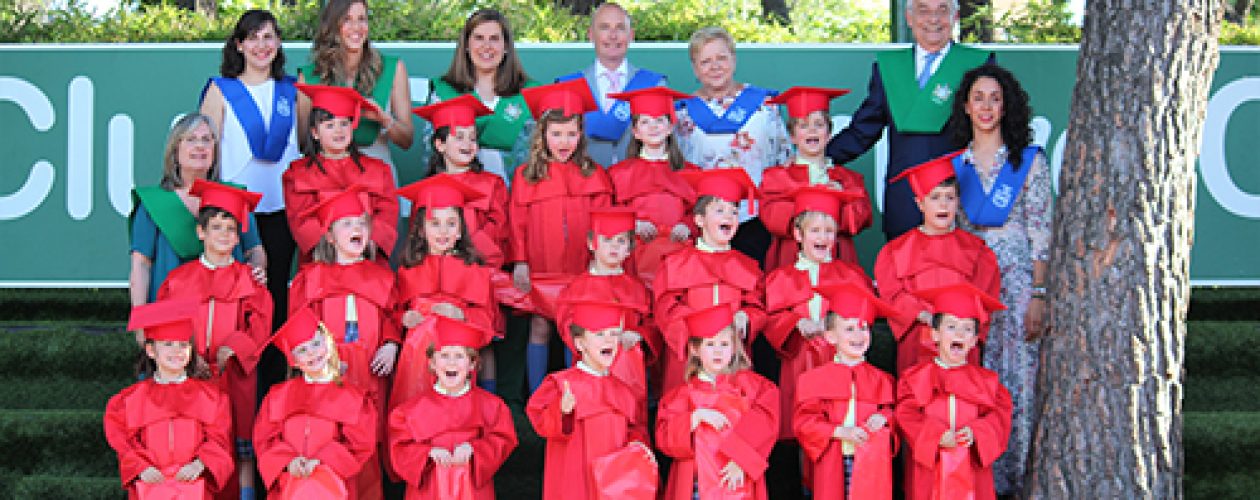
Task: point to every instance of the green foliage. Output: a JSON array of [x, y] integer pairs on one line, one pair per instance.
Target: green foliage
[[1246, 34], [80, 488], [1039, 21]]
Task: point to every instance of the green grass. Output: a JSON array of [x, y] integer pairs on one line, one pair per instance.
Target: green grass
[[94, 351], [68, 440], [1223, 348], [1221, 442], [58, 486], [1231, 393]]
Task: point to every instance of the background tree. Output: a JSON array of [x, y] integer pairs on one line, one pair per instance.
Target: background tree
[[1112, 376]]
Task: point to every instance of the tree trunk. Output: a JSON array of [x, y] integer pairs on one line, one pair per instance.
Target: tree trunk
[[1236, 11], [1111, 379], [580, 7], [777, 11]]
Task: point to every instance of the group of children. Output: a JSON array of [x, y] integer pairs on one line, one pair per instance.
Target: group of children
[[634, 267]]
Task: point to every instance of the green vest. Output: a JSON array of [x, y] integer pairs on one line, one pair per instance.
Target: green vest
[[924, 111], [365, 134], [500, 129]]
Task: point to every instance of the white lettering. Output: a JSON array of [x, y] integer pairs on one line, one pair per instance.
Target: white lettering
[[1213, 163], [38, 108], [121, 167], [80, 103]]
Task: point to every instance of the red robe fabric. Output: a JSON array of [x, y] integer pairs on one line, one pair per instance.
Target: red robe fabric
[[691, 279], [923, 416], [822, 402], [435, 280], [331, 422], [751, 404], [788, 292], [659, 195], [631, 364], [168, 425], [430, 420], [550, 219], [242, 322], [486, 217], [916, 261], [778, 184], [305, 186], [605, 419]]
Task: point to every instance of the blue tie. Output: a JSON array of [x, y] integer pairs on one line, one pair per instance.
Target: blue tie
[[927, 68]]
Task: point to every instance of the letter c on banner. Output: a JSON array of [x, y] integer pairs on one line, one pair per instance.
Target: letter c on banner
[[1212, 162], [39, 183]]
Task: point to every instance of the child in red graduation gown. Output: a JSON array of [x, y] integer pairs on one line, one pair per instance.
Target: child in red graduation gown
[[353, 298], [722, 423], [442, 275], [448, 442], [647, 181], [796, 312], [551, 201], [708, 272], [935, 254], [334, 166], [596, 437], [314, 433], [233, 323], [956, 416], [810, 127], [455, 147], [172, 431], [843, 412]]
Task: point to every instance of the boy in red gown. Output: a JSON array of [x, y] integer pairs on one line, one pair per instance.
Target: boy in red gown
[[955, 416]]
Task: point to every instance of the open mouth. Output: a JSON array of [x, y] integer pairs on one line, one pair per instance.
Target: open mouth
[[450, 373], [726, 227], [356, 240], [821, 248], [957, 348], [813, 141]]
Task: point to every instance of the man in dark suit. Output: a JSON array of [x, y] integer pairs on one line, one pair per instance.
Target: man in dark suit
[[911, 93]]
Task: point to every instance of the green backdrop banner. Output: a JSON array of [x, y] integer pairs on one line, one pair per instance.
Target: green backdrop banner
[[81, 124]]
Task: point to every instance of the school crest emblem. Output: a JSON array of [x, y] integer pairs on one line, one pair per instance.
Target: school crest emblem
[[282, 107], [513, 111], [737, 115], [941, 93], [1002, 196], [621, 111]]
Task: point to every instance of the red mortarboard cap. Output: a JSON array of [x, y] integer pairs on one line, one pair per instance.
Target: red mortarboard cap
[[821, 199], [596, 315], [461, 111], [340, 101], [347, 203], [572, 97], [925, 176], [854, 301], [651, 101], [708, 322], [439, 191], [300, 328], [730, 184], [801, 101], [459, 333], [609, 222], [961, 299], [169, 319], [237, 202]]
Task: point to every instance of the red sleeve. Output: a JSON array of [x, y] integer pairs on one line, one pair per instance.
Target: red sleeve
[[249, 342], [777, 204], [543, 410], [306, 229], [357, 444], [384, 209], [132, 457], [408, 456], [922, 433], [518, 221], [812, 427], [987, 277], [855, 214], [893, 290], [754, 306], [673, 424], [781, 322], [217, 451], [992, 428], [274, 454], [391, 323], [669, 309], [752, 438], [494, 226], [498, 439]]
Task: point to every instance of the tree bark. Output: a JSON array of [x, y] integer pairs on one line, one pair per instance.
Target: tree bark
[[1111, 379], [777, 11], [1236, 11]]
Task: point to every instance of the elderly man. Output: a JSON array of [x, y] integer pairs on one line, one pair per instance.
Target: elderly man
[[911, 92], [608, 130]]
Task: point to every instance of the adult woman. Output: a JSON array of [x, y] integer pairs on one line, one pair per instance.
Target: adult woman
[[1006, 199], [486, 65]]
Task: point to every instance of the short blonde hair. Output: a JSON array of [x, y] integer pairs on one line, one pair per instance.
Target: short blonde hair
[[171, 179], [708, 34]]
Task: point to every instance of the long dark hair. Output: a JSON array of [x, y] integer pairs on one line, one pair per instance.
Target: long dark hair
[[328, 54], [146, 367], [437, 163], [536, 167], [676, 159], [418, 247], [1016, 113], [312, 148], [250, 22], [510, 76]]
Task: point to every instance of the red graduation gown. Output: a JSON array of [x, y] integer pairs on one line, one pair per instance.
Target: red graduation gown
[[751, 404], [923, 416], [822, 402], [788, 292], [242, 322], [477, 417], [168, 425], [333, 423], [486, 217], [691, 279], [778, 184], [605, 419], [550, 219], [916, 261], [659, 195], [435, 280], [305, 186]]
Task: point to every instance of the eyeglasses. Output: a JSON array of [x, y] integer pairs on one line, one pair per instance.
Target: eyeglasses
[[943, 12], [201, 139]]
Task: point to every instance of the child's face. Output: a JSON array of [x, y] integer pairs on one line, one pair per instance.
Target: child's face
[[349, 236], [653, 131], [171, 356], [562, 139], [451, 364], [810, 134], [460, 147], [715, 353], [599, 348], [719, 221], [441, 230], [939, 207], [611, 252], [334, 134], [312, 356], [817, 236], [852, 337], [219, 235], [955, 338]]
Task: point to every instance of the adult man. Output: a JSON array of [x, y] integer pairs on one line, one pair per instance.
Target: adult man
[[608, 129], [911, 92]]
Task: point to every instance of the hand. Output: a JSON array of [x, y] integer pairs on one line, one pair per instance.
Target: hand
[[645, 230], [463, 453], [836, 185], [1035, 319], [449, 310], [567, 401], [809, 328], [741, 323], [715, 419], [948, 440], [441, 456], [855, 435], [964, 437], [681, 233], [732, 476], [412, 319], [383, 362], [151, 475], [259, 273], [190, 471], [925, 317], [630, 338], [222, 356], [520, 277], [297, 467], [201, 367], [875, 423], [373, 111]]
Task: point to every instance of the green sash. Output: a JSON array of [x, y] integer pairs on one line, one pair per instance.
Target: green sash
[[367, 130], [171, 217], [924, 111], [498, 130]]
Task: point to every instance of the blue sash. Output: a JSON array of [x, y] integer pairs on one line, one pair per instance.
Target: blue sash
[[735, 116], [611, 125], [264, 142], [992, 208]]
